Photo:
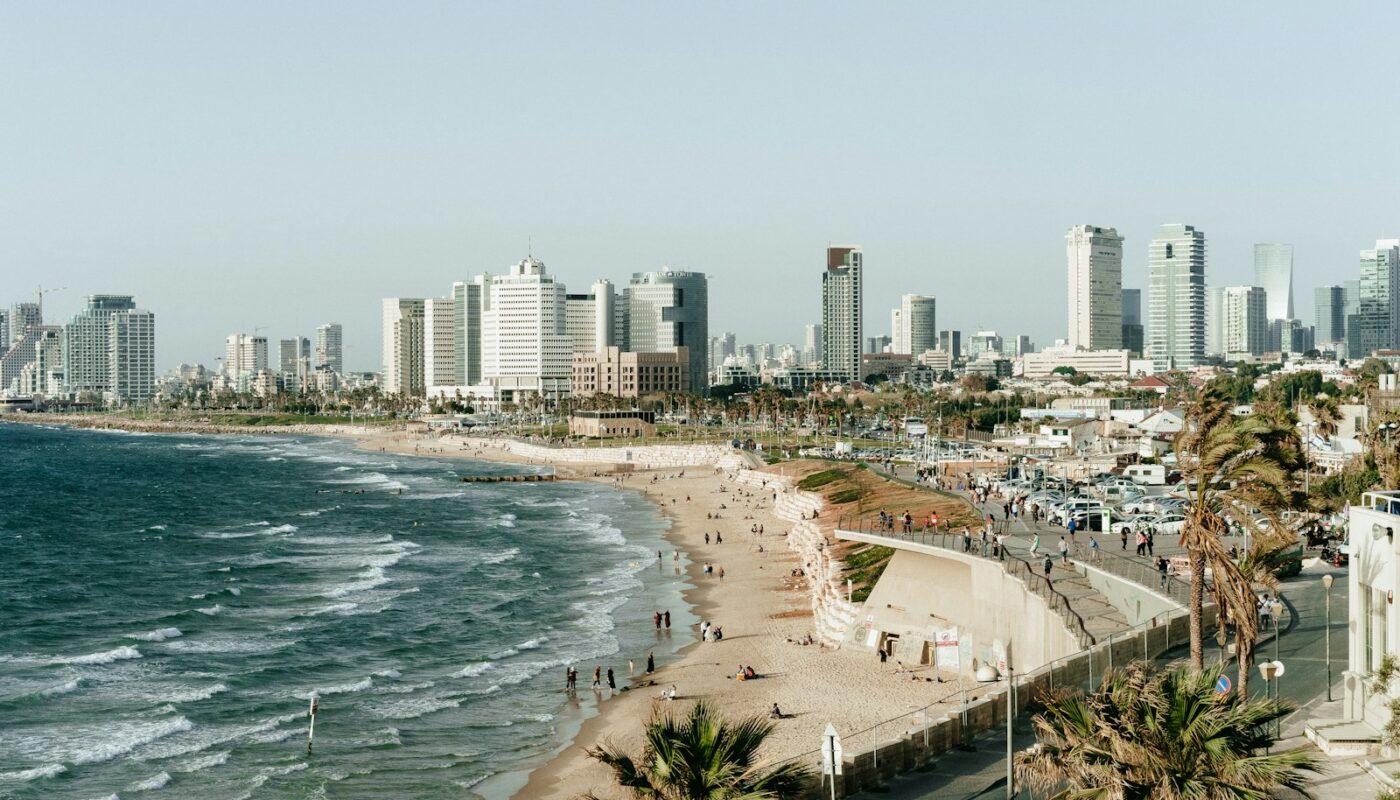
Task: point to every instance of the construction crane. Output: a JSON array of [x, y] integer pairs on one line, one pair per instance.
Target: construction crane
[[41, 292]]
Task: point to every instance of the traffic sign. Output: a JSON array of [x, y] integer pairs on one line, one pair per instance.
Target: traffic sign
[[1222, 685]]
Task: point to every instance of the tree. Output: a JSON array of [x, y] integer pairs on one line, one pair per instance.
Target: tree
[[1233, 468], [1147, 733], [700, 756], [1064, 370]]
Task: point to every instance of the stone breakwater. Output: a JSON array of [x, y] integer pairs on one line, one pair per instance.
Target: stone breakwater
[[832, 614]]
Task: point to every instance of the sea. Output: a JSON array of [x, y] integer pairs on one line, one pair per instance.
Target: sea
[[170, 603]]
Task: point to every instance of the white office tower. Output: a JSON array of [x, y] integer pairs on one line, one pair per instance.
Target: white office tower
[[1177, 263], [87, 364], [1244, 321], [668, 309], [24, 316], [403, 346], [811, 344], [1215, 320], [841, 312], [592, 320], [1273, 271], [1095, 258], [329, 350], [132, 356], [294, 363], [442, 340], [915, 328], [1329, 320], [1376, 323], [244, 356], [525, 346]]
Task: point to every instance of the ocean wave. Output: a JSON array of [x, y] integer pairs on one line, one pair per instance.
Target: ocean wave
[[389, 673], [66, 688], [46, 771], [159, 635], [375, 480], [122, 653], [274, 458], [127, 738], [156, 528], [207, 737], [226, 644], [501, 557], [194, 695], [211, 611], [341, 609], [415, 707], [341, 688], [203, 762], [150, 784], [506, 521], [473, 670]]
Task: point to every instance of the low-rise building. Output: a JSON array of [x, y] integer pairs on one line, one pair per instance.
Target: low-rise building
[[1093, 362], [621, 374], [607, 424]]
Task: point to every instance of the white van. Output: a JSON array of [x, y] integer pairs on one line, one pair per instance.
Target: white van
[[1146, 474]]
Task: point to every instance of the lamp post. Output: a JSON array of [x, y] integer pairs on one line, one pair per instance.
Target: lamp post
[[1272, 672], [1327, 631]]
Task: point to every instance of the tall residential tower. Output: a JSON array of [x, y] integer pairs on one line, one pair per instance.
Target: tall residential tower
[[1177, 263], [841, 312], [1095, 258]]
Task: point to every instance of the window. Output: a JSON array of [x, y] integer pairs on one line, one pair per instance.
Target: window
[[1169, 249]]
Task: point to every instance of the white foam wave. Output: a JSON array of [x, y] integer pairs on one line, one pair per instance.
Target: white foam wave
[[127, 738], [211, 611], [204, 762], [473, 670], [158, 635], [389, 673], [46, 771], [195, 695], [341, 688], [501, 557], [415, 707], [150, 784], [118, 654], [156, 528]]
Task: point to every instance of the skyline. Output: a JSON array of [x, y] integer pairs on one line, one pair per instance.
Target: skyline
[[303, 184]]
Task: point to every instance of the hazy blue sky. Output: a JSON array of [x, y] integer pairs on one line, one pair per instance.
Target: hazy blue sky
[[287, 164]]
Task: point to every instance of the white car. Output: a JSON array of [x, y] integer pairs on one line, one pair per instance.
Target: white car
[[1169, 524]]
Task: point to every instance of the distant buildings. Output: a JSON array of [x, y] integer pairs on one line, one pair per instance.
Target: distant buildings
[[525, 348], [329, 349], [1095, 257], [631, 375], [1177, 266], [442, 365], [1244, 321], [1329, 316], [1376, 322], [841, 312], [915, 326], [245, 355], [1273, 272], [811, 344], [667, 310], [1134, 332], [402, 322]]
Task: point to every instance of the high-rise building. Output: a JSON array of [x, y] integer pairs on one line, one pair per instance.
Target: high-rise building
[[1215, 320], [985, 342], [1273, 270], [525, 347], [1376, 323], [916, 330], [87, 366], [468, 298], [841, 312], [24, 316], [1095, 258], [1244, 321], [132, 355], [403, 346], [593, 320], [1022, 345], [1177, 263], [442, 343], [950, 342], [812, 343], [898, 342], [668, 309], [1134, 333], [1329, 315], [244, 356], [330, 354], [4, 330], [294, 363]]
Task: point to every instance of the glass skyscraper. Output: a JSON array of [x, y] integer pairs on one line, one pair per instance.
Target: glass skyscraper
[[1177, 262]]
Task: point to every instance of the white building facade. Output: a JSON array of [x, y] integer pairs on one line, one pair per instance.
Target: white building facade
[[841, 312], [1177, 329], [1095, 257]]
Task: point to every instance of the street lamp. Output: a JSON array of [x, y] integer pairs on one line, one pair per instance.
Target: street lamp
[[1272, 672], [1327, 632]]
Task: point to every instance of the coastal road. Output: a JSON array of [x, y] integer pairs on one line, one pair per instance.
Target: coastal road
[[1301, 645]]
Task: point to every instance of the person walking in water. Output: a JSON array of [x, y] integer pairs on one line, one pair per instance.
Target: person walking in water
[[656, 617], [667, 617], [612, 682], [597, 676], [651, 663]]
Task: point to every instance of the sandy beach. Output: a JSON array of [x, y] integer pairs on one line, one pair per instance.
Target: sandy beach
[[764, 611]]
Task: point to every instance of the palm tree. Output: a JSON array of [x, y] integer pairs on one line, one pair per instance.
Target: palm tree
[[700, 756], [1326, 415], [1233, 467], [1149, 733]]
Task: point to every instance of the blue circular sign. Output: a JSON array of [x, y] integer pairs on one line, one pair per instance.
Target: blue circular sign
[[1222, 685]]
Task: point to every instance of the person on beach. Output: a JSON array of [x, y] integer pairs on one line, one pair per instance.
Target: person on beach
[[1035, 544], [1064, 551], [1049, 565], [631, 668], [612, 682], [568, 679], [651, 663], [597, 676], [718, 539], [656, 617], [667, 617], [707, 537], [721, 572]]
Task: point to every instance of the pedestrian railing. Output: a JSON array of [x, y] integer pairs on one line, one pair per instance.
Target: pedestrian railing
[[1015, 565], [1141, 573]]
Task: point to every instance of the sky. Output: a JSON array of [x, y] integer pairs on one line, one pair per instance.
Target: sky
[[275, 166]]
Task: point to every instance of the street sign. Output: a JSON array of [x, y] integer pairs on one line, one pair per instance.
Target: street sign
[[1222, 685], [831, 751]]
